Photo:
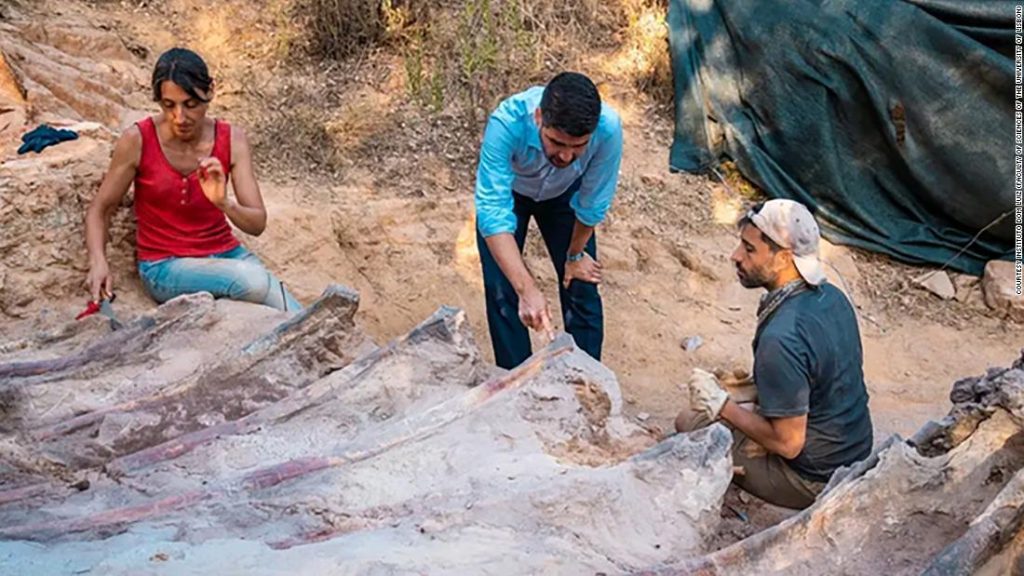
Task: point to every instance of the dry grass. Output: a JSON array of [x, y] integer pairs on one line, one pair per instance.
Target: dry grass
[[473, 53], [449, 60], [337, 29], [736, 181], [643, 58], [470, 53], [314, 120]]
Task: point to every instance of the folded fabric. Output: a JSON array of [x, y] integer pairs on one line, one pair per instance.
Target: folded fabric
[[43, 136]]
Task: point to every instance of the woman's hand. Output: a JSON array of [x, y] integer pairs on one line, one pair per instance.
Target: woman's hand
[[99, 281], [213, 181]]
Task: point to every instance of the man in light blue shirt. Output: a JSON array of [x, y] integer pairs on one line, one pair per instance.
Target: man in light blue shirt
[[551, 153]]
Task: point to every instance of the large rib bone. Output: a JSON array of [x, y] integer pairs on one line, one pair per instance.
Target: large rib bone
[[436, 359], [446, 327], [489, 469], [88, 328], [417, 426], [549, 517], [133, 344], [988, 534], [321, 339]]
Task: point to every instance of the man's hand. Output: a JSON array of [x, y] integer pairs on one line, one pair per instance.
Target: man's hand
[[99, 281], [213, 181], [534, 312], [586, 269], [706, 395]]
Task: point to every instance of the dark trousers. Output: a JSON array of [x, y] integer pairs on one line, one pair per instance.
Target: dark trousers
[[581, 303]]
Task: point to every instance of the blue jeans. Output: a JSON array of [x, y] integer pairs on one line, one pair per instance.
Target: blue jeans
[[236, 274], [581, 303]]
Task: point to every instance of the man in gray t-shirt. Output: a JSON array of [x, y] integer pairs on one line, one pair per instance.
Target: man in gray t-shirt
[[812, 414]]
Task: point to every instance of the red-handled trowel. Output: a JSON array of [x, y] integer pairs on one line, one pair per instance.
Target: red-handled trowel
[[105, 309]]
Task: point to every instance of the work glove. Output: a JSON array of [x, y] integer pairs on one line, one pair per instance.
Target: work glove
[[706, 395], [43, 136]]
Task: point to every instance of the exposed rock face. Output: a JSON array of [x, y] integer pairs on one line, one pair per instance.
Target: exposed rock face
[[1000, 287], [68, 75]]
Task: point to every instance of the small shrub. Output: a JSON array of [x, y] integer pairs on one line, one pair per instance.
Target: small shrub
[[336, 29]]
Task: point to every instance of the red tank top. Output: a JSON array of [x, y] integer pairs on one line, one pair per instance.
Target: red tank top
[[174, 218]]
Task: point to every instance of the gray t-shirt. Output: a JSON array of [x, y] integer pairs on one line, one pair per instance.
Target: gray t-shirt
[[808, 360]]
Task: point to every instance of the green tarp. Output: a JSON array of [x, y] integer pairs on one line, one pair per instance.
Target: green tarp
[[891, 119]]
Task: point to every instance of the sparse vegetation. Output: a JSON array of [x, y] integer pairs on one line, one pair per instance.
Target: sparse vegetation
[[470, 53], [450, 59], [339, 28]]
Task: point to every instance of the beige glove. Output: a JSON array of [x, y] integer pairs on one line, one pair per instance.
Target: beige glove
[[706, 395]]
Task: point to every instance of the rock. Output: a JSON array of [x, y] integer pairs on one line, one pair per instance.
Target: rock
[[1002, 289], [691, 343], [430, 526], [840, 268], [652, 180], [43, 224], [965, 286], [937, 283], [50, 73]]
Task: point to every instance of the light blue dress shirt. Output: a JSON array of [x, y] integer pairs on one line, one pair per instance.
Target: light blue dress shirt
[[512, 158]]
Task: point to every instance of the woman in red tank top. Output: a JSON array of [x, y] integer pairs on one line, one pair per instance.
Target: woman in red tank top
[[180, 162]]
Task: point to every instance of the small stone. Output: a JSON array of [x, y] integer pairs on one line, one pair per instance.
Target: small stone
[[744, 497], [691, 343], [429, 526], [643, 417], [965, 286], [1002, 289], [937, 283], [652, 180], [159, 557]]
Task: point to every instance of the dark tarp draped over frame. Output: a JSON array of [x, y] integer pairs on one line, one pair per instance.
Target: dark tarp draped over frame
[[892, 120]]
